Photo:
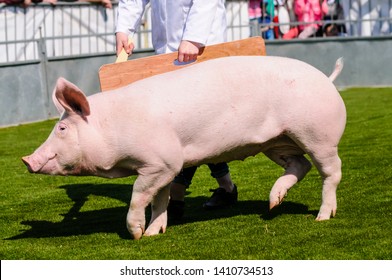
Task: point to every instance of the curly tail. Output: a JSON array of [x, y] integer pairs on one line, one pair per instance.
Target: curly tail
[[338, 68]]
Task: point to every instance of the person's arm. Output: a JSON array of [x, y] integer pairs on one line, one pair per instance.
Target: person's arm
[[200, 20], [129, 16], [12, 2], [197, 28], [106, 3], [299, 7], [317, 11], [23, 3]]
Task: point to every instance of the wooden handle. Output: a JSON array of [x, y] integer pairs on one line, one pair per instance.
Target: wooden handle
[[123, 56]]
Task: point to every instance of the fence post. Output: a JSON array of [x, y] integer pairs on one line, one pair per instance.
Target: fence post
[[43, 57]]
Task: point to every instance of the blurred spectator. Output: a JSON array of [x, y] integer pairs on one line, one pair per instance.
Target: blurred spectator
[[254, 13], [261, 12], [267, 15], [105, 3], [333, 10], [285, 18], [309, 14], [26, 3]]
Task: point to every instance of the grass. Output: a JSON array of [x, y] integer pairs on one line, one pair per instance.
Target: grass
[[47, 217]]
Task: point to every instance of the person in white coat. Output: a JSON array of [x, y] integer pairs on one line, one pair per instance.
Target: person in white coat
[[184, 26]]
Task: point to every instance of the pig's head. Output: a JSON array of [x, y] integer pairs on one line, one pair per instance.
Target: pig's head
[[64, 151]]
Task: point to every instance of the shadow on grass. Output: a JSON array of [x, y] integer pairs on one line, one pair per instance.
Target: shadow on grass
[[112, 220]]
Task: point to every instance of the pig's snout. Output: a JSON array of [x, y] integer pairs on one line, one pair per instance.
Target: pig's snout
[[39, 162], [36, 163], [26, 161]]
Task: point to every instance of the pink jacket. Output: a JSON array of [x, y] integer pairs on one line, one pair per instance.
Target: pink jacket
[[308, 11], [254, 9]]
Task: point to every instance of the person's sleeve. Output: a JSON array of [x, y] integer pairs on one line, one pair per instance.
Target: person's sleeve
[[129, 15], [299, 6], [11, 2], [317, 9], [200, 20]]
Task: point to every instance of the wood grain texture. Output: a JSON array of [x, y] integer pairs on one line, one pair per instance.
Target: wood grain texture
[[115, 75]]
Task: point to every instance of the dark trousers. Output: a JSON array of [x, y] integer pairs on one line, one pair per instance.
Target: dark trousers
[[185, 177]]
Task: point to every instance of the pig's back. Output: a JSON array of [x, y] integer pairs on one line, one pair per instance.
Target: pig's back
[[237, 75], [243, 82], [231, 88], [233, 81]]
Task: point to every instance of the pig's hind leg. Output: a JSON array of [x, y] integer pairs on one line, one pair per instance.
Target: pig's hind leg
[[296, 167], [328, 164]]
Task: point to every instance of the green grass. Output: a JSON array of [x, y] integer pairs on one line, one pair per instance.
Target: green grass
[[46, 217]]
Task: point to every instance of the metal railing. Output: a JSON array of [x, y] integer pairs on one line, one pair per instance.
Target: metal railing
[[55, 31], [348, 18], [45, 32]]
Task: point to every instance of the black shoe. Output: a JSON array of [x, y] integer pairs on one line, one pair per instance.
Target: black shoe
[[175, 209], [221, 198]]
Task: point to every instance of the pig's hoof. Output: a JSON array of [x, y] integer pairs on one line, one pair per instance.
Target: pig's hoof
[[322, 218], [157, 225], [276, 200], [136, 232], [326, 213], [273, 204], [154, 231]]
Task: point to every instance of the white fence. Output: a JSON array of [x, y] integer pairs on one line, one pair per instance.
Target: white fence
[[368, 17], [53, 31], [74, 29], [81, 29]]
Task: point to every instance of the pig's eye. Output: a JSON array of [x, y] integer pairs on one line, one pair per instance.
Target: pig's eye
[[61, 128]]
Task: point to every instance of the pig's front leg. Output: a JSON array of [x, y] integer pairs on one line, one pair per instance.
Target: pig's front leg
[[136, 220], [159, 212], [145, 188]]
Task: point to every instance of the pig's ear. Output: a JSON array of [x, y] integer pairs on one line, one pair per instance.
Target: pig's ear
[[68, 97]]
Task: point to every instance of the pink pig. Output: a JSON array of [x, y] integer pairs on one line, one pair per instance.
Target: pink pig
[[219, 110]]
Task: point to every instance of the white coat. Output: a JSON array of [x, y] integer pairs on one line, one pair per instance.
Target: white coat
[[201, 21]]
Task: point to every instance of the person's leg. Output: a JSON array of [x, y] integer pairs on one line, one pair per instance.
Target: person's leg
[[181, 182], [178, 187], [226, 194], [221, 173]]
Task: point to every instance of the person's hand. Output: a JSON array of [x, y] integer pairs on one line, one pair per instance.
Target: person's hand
[[188, 51], [122, 43], [107, 4], [26, 3], [52, 2]]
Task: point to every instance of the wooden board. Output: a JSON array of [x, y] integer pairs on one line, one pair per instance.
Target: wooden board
[[115, 75]]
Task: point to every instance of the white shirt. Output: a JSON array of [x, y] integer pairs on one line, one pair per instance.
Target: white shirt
[[201, 21]]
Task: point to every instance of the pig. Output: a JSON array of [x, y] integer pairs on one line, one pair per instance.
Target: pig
[[215, 111]]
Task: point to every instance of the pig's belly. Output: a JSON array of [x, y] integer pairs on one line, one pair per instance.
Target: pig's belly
[[115, 172], [281, 145]]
